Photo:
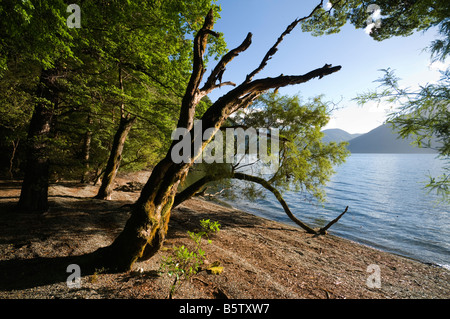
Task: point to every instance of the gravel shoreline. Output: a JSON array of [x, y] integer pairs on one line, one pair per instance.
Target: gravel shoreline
[[261, 258]]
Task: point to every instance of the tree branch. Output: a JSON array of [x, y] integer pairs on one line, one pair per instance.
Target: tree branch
[[193, 189], [277, 194], [246, 93], [217, 72], [323, 230], [191, 96], [198, 185], [274, 48]]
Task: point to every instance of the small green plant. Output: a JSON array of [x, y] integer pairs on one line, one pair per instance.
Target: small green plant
[[184, 263], [209, 226], [94, 277]]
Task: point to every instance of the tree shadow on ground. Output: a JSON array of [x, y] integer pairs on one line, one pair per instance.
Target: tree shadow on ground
[[71, 219], [78, 217], [17, 274], [183, 219]]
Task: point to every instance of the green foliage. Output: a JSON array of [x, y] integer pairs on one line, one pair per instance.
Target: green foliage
[[440, 48], [184, 262], [305, 162], [149, 42], [398, 17], [182, 265], [34, 32]]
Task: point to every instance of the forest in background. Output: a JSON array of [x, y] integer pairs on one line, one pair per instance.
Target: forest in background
[[121, 68]]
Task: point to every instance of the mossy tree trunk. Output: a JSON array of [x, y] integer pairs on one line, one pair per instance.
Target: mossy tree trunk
[[145, 231], [115, 157]]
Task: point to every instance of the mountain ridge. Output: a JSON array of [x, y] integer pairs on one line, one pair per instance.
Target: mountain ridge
[[338, 135], [381, 139]]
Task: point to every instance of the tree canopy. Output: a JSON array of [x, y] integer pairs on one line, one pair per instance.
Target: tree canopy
[[148, 42], [396, 17]]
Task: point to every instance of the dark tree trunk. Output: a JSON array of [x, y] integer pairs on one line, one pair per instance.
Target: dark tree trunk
[[34, 193], [145, 231], [86, 150], [115, 157]]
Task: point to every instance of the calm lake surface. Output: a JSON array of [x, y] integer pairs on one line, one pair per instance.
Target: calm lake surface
[[389, 208]]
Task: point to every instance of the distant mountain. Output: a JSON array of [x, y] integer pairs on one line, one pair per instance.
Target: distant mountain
[[383, 140], [337, 135], [380, 140]]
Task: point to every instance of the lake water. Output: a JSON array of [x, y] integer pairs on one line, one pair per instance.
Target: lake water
[[389, 208]]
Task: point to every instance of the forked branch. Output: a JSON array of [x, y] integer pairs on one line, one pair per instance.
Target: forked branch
[[274, 48], [217, 73]]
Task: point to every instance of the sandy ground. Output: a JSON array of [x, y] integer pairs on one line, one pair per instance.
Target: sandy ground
[[261, 258]]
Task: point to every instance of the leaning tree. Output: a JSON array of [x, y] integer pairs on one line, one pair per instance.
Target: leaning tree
[[145, 230]]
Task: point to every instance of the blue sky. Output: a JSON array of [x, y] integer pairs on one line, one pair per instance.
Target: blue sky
[[359, 55]]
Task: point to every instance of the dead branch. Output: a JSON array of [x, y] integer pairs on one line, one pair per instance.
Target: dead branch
[[191, 96], [239, 97], [193, 189], [274, 48], [216, 74], [246, 93]]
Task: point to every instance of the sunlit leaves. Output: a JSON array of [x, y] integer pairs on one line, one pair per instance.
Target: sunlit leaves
[[305, 162]]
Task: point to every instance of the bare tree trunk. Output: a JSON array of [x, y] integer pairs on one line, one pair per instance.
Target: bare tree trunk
[[34, 192], [86, 150], [13, 155], [115, 157], [145, 231]]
